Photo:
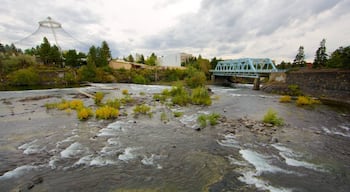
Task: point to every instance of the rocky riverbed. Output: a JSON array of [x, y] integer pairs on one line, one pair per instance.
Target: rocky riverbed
[[51, 150]]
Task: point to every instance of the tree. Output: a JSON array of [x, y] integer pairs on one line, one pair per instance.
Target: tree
[[151, 60], [106, 52], [340, 58], [44, 51], [321, 56], [55, 56], [131, 58], [299, 60], [141, 59], [72, 58]]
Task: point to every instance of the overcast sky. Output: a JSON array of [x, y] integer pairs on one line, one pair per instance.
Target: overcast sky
[[223, 28]]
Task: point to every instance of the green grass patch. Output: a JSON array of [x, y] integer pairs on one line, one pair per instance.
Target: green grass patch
[[143, 109], [212, 119], [272, 118], [98, 98]]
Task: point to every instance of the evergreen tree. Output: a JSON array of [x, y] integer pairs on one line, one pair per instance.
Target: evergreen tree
[[321, 56], [131, 58], [141, 59], [104, 54], [152, 60], [299, 60], [72, 58], [55, 56], [44, 51]]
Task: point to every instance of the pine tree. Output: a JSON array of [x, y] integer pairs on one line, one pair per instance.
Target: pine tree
[[321, 55], [299, 60]]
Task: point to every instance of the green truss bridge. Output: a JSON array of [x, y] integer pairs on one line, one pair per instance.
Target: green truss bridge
[[245, 67]]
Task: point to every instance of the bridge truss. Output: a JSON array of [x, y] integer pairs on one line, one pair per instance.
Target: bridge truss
[[246, 67]]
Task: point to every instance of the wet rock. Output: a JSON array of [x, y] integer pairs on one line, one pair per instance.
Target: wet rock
[[274, 140], [198, 129], [268, 125]]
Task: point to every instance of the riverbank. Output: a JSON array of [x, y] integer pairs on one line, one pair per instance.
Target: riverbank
[[52, 150]]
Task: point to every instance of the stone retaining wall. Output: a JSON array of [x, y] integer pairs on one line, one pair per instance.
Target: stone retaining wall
[[332, 84]]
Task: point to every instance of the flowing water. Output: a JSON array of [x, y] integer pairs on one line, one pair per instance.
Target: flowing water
[[50, 150]]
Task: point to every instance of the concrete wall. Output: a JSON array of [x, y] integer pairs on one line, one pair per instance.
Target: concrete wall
[[327, 83]]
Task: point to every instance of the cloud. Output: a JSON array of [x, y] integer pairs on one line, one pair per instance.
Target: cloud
[[225, 25]]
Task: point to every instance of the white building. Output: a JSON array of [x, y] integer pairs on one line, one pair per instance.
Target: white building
[[174, 60]]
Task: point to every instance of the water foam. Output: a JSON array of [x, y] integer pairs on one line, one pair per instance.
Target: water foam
[[229, 141], [330, 132], [250, 178], [260, 162], [290, 158], [31, 147], [127, 154], [75, 149], [112, 129], [18, 171]]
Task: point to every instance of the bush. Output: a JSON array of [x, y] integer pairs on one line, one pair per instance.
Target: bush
[[98, 98], [303, 100], [142, 109], [76, 104], [139, 79], [294, 90], [27, 76], [125, 92], [272, 118], [106, 112], [84, 113], [178, 113], [113, 103], [212, 118], [179, 95], [51, 105], [126, 99], [198, 79], [285, 99], [63, 105], [200, 96]]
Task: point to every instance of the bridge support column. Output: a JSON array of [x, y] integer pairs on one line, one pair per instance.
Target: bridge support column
[[256, 84]]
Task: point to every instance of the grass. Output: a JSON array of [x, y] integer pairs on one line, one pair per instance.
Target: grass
[[114, 103], [211, 118], [285, 99], [272, 118], [200, 96], [164, 117]]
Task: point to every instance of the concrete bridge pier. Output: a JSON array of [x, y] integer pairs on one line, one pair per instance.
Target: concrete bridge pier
[[256, 84]]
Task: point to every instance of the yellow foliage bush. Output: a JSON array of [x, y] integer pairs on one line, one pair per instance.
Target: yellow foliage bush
[[125, 92], [106, 112], [303, 100], [98, 98], [285, 99], [63, 105], [84, 113], [76, 104]]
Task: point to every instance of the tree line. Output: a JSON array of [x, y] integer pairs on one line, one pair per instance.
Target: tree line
[[340, 58]]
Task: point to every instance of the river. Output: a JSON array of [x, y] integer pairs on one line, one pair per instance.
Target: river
[[51, 150]]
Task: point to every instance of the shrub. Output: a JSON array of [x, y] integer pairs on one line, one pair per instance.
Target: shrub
[[285, 99], [126, 99], [272, 118], [142, 109], [125, 92], [84, 113], [303, 100], [98, 98], [212, 118], [202, 120], [166, 92], [113, 103], [51, 105], [76, 104], [106, 112], [200, 96], [24, 77], [63, 105], [294, 90], [139, 79], [163, 117], [198, 79], [159, 97], [178, 113], [179, 95]]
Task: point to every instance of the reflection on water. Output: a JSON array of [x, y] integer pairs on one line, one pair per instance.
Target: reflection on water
[[145, 153]]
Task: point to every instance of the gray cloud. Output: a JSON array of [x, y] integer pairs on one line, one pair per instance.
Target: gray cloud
[[225, 23]]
